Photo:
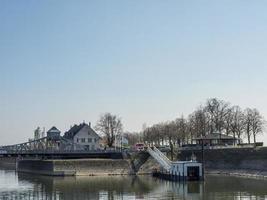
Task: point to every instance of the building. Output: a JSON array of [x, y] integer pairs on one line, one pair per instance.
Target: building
[[217, 139], [53, 133], [189, 170], [121, 141], [53, 139], [83, 135]]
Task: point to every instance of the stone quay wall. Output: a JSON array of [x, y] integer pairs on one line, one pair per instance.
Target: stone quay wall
[[8, 162], [93, 166], [243, 160], [75, 167]]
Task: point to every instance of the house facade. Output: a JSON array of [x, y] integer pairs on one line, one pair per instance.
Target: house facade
[[83, 135]]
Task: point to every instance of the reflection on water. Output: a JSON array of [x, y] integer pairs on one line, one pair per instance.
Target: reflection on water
[[25, 186]]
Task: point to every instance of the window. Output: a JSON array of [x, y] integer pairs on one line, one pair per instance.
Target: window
[[83, 140], [89, 140], [77, 140], [95, 139]]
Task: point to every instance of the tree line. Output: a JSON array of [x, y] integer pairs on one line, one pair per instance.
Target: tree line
[[214, 116]]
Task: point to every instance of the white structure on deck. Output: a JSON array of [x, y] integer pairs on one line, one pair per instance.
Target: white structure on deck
[[190, 169]]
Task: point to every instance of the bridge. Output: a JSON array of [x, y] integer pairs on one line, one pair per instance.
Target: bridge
[[54, 147], [61, 148], [43, 144]]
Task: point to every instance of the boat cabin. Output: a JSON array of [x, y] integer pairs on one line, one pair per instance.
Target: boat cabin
[[188, 170]]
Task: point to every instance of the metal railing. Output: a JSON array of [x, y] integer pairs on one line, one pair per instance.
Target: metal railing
[[160, 158]]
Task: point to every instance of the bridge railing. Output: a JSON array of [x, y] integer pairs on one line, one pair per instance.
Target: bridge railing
[[57, 151], [162, 155]]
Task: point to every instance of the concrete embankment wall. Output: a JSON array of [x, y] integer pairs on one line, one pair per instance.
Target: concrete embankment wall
[[93, 166], [75, 167], [246, 159], [8, 162], [44, 167], [148, 166]]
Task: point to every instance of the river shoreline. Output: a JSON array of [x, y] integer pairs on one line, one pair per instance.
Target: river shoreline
[[256, 174], [117, 167]]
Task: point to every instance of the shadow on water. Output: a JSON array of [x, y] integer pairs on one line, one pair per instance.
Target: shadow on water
[[229, 187], [84, 187], [27, 186]]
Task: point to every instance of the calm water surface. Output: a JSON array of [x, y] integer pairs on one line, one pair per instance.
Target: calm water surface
[[24, 186]]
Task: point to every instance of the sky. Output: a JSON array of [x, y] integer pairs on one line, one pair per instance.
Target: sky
[[64, 62]]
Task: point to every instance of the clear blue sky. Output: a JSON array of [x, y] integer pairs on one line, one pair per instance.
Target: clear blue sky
[[62, 62]]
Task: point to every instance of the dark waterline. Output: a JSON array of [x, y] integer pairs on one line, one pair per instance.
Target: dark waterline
[[26, 186]]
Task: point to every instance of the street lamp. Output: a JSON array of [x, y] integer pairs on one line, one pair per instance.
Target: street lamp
[[202, 156]]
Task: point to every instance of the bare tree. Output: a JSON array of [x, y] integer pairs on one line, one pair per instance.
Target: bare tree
[[155, 133], [169, 129], [191, 127], [199, 121], [248, 114], [257, 123], [147, 136], [228, 119], [109, 125], [238, 122], [181, 130], [216, 115], [217, 110], [133, 138]]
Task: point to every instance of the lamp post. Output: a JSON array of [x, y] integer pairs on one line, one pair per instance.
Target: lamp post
[[121, 142], [202, 157]]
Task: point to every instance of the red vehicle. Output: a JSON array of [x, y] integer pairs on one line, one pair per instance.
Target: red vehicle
[[139, 147]]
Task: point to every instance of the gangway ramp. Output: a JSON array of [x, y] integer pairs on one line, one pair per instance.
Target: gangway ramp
[[176, 170], [160, 158]]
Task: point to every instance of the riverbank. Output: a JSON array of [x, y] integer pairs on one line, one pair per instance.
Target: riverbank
[[243, 161], [76, 167], [238, 173], [249, 162]]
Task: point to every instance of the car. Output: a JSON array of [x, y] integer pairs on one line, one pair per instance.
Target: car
[[139, 147]]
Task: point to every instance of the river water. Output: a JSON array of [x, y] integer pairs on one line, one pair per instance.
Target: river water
[[26, 186]]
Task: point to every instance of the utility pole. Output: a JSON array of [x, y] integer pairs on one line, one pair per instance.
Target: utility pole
[[202, 157]]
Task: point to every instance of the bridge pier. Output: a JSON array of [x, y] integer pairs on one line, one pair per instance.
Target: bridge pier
[[8, 162]]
